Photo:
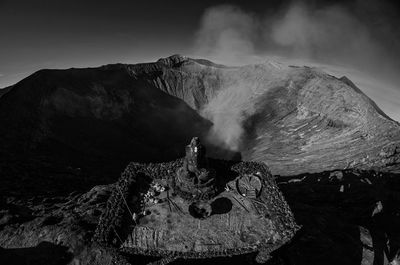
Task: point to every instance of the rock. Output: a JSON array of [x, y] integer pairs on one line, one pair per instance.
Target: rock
[[378, 208], [336, 175], [368, 248]]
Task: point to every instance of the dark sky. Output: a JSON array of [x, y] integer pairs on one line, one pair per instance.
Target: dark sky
[[61, 34], [76, 33]]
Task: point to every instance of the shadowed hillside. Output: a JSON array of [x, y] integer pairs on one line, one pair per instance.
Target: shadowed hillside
[[295, 119], [94, 119]]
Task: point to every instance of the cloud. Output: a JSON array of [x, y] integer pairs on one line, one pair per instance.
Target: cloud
[[226, 33], [334, 34], [331, 34]]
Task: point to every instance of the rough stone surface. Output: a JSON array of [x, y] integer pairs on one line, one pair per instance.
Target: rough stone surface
[[116, 224], [337, 227]]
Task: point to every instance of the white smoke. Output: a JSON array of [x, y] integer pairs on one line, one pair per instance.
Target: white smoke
[[331, 35], [226, 34], [227, 111]]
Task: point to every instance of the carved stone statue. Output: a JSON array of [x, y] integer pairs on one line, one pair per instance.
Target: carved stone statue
[[195, 176]]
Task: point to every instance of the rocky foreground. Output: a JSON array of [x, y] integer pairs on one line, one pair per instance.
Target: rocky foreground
[[347, 217]]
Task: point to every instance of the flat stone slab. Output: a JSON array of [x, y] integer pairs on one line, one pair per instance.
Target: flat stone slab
[[235, 223], [249, 214]]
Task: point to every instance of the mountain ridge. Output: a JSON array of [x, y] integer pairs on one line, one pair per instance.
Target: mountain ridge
[[295, 119]]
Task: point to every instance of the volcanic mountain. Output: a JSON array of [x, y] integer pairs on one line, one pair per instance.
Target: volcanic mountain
[[295, 119], [64, 132]]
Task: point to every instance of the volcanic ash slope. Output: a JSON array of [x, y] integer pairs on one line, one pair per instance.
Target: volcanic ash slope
[[295, 119]]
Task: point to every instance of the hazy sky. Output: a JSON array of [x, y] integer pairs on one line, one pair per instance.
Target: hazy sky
[[77, 33], [61, 34], [363, 34]]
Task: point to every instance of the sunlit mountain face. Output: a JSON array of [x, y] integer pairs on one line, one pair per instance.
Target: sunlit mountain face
[[383, 91], [294, 118]]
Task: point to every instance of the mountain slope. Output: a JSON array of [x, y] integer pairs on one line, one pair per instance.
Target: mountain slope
[[94, 118], [295, 119]]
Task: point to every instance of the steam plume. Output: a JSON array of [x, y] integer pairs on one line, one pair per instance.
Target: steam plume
[[334, 35]]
